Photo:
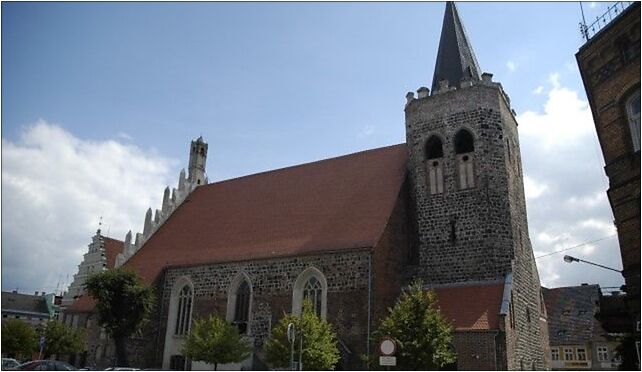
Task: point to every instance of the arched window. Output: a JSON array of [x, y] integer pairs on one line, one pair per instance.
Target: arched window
[[465, 150], [633, 116], [184, 312], [239, 302], [434, 167], [242, 308], [310, 284]]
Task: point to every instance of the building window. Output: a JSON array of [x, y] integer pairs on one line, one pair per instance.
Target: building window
[[602, 354], [569, 354], [555, 354], [633, 116], [310, 284], [528, 314], [511, 308], [465, 151], [242, 307], [581, 353], [434, 165], [184, 312]]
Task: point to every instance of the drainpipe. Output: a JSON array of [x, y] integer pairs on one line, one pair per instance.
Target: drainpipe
[[369, 306]]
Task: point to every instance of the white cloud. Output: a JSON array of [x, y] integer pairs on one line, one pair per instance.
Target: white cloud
[[512, 66], [538, 90], [56, 186], [592, 4], [566, 118], [125, 136], [532, 188], [565, 189]]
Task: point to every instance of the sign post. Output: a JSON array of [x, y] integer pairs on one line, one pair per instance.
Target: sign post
[[387, 347], [41, 343], [291, 338]]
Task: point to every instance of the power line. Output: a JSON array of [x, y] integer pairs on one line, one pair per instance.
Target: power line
[[577, 246]]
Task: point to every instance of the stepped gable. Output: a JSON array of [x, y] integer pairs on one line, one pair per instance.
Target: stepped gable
[[330, 205], [85, 303], [483, 305]]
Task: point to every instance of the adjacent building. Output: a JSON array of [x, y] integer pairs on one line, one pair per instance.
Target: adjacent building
[[609, 63], [31, 309]]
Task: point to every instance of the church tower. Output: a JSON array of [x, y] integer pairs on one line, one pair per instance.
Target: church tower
[[467, 186], [197, 158]]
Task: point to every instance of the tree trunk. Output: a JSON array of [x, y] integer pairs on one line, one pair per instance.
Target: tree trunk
[[121, 351]]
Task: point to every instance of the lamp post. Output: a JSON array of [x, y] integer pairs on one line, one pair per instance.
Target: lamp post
[[571, 259]]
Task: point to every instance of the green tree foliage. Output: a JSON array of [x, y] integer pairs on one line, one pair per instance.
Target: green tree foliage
[[62, 340], [422, 336], [18, 338], [320, 351], [626, 349], [215, 341], [124, 305]]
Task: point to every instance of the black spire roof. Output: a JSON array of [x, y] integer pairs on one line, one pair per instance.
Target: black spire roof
[[455, 58]]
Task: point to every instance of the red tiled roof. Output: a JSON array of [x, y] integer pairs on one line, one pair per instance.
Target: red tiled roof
[[83, 304], [86, 303], [329, 205], [471, 307]]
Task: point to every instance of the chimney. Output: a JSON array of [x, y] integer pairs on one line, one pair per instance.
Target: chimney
[[583, 284], [36, 293]]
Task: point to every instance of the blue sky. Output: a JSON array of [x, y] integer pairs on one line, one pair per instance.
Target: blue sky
[[100, 101]]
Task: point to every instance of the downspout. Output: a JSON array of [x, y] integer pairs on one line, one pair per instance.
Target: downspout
[[369, 306]]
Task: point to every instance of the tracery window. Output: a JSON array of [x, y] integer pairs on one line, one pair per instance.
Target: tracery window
[[183, 315], [242, 307], [311, 285], [314, 292], [434, 165], [633, 116], [465, 151]]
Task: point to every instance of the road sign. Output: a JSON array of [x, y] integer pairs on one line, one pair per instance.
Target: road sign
[[387, 361], [291, 334], [387, 346], [42, 341]]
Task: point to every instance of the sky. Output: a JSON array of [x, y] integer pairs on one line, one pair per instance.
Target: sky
[[101, 100]]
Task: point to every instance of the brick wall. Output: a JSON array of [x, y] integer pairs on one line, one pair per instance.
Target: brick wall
[[476, 351]]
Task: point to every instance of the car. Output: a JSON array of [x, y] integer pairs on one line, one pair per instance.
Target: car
[[8, 363], [45, 365]]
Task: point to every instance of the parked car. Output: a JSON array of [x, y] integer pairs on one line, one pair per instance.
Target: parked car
[[45, 365], [8, 363]]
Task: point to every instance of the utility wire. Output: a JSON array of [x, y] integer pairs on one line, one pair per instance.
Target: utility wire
[[577, 246]]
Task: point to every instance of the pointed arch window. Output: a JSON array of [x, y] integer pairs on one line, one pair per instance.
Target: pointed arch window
[[464, 153], [633, 115], [311, 285], [242, 307], [434, 165], [184, 311]]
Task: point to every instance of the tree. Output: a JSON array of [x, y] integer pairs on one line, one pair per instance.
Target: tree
[[319, 342], [215, 341], [422, 336], [61, 339], [18, 338], [124, 305]]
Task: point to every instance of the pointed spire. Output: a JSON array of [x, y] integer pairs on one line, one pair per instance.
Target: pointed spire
[[455, 58]]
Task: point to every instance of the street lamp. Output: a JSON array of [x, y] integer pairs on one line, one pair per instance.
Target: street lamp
[[571, 259]]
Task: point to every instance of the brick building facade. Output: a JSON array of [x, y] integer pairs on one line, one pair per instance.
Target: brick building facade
[[447, 207], [609, 63]]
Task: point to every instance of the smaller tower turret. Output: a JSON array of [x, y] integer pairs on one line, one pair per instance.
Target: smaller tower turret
[[197, 158]]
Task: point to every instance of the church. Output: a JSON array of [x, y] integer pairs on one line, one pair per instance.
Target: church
[[446, 207]]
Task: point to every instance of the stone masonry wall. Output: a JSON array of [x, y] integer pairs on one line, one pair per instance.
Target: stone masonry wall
[[272, 284], [483, 244], [476, 351]]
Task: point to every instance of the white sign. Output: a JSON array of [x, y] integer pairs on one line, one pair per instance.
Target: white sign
[[387, 347], [387, 361]]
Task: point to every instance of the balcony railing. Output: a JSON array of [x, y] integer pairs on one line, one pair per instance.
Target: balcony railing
[[612, 11]]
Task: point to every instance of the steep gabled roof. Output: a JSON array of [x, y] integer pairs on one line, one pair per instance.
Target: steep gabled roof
[[471, 307], [571, 314], [330, 205], [455, 57]]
